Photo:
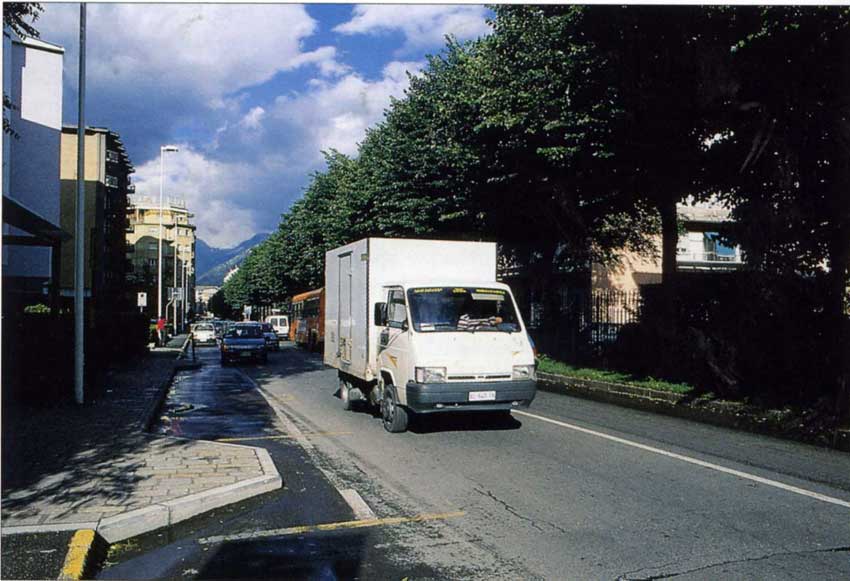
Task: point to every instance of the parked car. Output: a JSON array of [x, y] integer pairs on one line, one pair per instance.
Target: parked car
[[272, 340], [280, 324], [204, 333], [243, 341]]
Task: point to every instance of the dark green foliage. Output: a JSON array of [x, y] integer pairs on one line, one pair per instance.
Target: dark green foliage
[[571, 132], [767, 344]]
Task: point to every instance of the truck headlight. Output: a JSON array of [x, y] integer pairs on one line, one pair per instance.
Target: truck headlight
[[430, 374], [523, 372]]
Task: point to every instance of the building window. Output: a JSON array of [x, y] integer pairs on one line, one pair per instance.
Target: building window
[[111, 181], [112, 156], [715, 249], [152, 262]]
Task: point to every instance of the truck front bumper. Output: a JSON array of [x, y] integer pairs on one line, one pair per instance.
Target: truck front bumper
[[426, 398]]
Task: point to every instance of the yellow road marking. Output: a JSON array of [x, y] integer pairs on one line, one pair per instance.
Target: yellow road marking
[[282, 437], [78, 552], [352, 524]]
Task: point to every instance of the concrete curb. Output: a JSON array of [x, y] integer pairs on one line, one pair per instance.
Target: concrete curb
[[142, 520], [84, 550], [139, 521], [672, 404], [135, 522]]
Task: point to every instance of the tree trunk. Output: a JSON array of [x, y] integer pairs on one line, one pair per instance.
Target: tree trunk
[[840, 246], [669, 240]]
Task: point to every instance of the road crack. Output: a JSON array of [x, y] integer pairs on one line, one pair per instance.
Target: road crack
[[509, 508], [626, 576]]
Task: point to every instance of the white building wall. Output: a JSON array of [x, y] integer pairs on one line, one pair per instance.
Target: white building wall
[[33, 77]]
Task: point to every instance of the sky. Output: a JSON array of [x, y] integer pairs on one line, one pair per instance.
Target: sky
[[251, 94]]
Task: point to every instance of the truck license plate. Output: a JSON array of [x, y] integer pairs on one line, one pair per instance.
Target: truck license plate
[[482, 396], [245, 354]]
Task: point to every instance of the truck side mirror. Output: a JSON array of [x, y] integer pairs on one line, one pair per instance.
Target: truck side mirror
[[381, 314]]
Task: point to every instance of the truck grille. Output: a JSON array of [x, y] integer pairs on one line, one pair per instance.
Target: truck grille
[[480, 377]]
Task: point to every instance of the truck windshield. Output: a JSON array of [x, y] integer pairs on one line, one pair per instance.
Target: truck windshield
[[470, 309]]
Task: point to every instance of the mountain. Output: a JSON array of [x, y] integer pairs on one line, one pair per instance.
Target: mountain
[[213, 263]]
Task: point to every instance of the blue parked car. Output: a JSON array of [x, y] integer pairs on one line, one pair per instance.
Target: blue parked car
[[243, 341]]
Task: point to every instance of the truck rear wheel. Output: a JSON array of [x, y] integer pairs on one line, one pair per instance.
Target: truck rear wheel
[[393, 416], [345, 394]]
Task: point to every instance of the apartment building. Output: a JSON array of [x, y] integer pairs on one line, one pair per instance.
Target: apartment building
[[32, 230], [107, 184], [178, 254], [700, 250]]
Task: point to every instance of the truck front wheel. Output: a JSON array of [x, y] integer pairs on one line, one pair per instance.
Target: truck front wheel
[[393, 416]]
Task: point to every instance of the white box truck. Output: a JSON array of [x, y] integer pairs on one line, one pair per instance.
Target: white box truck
[[422, 326]]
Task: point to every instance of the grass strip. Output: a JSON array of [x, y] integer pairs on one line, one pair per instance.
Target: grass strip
[[548, 365]]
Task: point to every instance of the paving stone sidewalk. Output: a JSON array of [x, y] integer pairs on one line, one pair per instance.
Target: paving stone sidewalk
[[89, 466]]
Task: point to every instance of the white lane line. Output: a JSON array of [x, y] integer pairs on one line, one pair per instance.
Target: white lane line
[[361, 510], [358, 505], [704, 464]]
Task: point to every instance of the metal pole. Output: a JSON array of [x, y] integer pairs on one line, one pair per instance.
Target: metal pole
[[159, 259], [185, 295], [175, 275], [79, 226]]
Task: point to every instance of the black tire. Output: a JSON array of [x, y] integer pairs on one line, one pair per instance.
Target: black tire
[[223, 362], [393, 416], [345, 395], [264, 359]]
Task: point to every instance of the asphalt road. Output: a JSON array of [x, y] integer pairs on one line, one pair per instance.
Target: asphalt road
[[576, 490]]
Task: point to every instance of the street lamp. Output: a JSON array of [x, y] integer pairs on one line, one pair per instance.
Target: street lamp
[[162, 150]]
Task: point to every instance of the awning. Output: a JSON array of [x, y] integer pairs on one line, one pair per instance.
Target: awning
[[41, 230]]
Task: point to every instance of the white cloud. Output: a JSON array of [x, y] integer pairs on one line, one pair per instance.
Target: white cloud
[[211, 190], [336, 114], [209, 50], [253, 118], [422, 25]]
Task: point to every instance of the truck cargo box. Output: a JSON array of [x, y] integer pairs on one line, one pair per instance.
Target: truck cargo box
[[356, 273]]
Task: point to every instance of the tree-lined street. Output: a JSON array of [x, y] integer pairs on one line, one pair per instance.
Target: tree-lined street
[[512, 497], [413, 221]]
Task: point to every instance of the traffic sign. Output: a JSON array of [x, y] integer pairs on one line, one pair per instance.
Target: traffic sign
[[141, 299]]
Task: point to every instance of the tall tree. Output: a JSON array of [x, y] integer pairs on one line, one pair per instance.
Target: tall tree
[[786, 155]]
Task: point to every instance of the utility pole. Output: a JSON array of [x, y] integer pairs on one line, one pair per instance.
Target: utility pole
[[162, 150], [175, 277], [80, 222]]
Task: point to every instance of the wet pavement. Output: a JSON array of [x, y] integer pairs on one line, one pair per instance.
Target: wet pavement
[[222, 404], [576, 489]]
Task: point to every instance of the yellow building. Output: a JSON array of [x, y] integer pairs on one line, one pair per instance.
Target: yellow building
[[107, 183], [178, 255]]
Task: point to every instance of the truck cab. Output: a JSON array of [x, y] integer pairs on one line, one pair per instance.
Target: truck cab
[[452, 347]]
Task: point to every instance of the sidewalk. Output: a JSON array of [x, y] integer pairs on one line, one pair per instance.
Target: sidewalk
[[94, 466]]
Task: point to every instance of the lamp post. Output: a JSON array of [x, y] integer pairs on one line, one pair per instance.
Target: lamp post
[[162, 150], [185, 293]]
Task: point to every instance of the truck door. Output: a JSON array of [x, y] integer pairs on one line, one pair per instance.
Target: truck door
[[344, 305], [394, 342]]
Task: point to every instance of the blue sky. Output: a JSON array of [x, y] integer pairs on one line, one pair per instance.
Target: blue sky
[[250, 93]]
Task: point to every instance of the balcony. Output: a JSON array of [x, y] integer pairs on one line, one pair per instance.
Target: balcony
[[131, 188], [707, 260]]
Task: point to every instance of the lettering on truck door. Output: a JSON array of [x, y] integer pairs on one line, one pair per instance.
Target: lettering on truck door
[[344, 306]]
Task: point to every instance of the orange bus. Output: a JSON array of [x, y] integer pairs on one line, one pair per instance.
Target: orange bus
[[307, 323]]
